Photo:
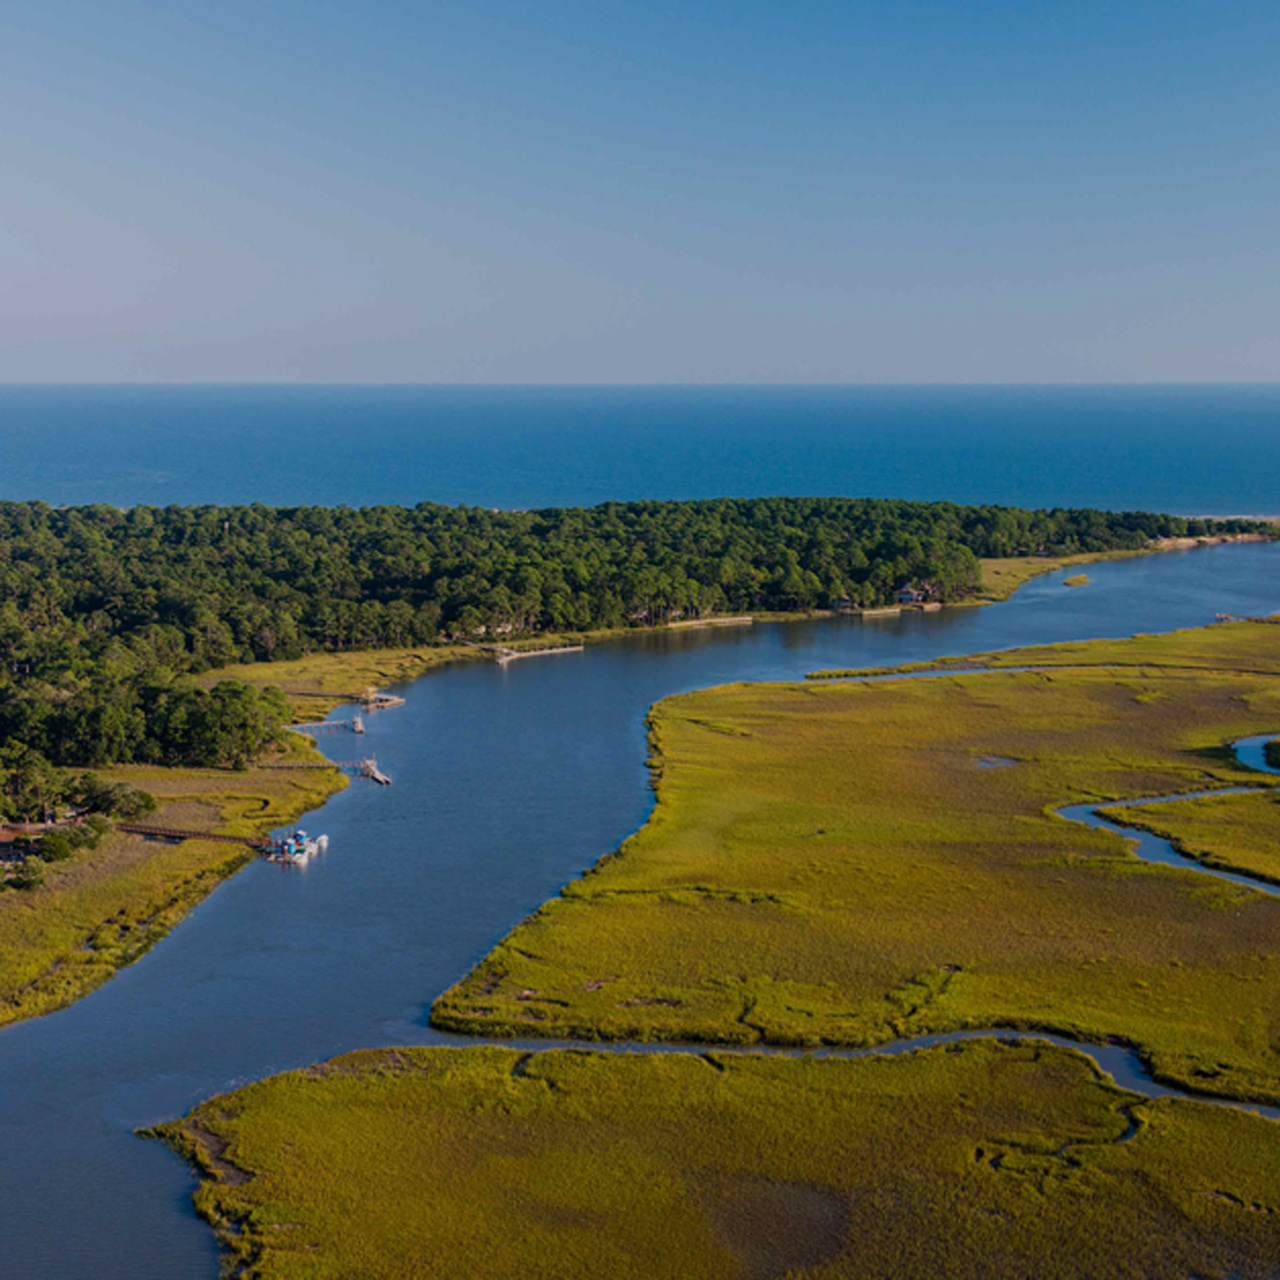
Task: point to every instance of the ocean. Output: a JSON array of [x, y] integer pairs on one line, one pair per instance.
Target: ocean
[[1185, 449]]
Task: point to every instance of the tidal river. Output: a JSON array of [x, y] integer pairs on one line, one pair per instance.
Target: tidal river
[[508, 782]]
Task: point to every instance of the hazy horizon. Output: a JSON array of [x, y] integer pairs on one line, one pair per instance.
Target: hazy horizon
[[1189, 384], [616, 194]]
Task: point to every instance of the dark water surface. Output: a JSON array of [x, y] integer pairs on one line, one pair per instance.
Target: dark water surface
[[1183, 449], [508, 781]]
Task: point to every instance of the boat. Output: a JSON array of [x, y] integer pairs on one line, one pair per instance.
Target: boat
[[296, 847]]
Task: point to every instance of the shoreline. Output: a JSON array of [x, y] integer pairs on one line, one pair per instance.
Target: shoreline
[[151, 891], [304, 678], [407, 665], [1122, 1062], [464, 1028]]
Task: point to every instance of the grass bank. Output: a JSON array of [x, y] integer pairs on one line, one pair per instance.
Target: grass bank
[[831, 863], [1244, 646], [977, 1160], [1231, 833], [1002, 577], [105, 907], [317, 683]]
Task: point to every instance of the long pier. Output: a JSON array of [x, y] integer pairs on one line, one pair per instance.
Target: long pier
[[366, 768], [502, 654], [355, 724], [369, 699], [180, 833]]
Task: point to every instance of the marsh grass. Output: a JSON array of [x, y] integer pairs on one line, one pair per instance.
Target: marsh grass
[[317, 683], [974, 1160], [1002, 577], [1237, 646], [836, 868], [106, 907], [832, 863]]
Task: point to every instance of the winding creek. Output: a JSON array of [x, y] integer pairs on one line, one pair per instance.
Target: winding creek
[[508, 782]]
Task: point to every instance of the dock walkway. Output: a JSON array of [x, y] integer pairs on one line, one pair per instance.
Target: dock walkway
[[502, 654], [366, 768], [179, 833], [355, 725]]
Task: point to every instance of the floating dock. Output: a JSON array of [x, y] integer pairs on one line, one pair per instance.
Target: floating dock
[[375, 700]]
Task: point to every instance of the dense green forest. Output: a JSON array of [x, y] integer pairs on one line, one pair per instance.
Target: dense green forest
[[104, 612]]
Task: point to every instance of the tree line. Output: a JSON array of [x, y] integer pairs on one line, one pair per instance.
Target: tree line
[[105, 614]]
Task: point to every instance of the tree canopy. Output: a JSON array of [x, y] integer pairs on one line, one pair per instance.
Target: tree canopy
[[104, 612]]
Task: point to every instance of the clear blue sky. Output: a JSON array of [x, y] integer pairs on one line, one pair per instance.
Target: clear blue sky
[[639, 192]]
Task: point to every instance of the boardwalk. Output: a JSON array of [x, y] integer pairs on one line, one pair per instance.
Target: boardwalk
[[355, 725], [179, 833], [365, 768], [502, 654]]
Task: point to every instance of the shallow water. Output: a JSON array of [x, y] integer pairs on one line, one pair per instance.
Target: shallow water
[[508, 782]]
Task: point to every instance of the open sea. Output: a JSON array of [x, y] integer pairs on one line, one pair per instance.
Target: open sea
[[1184, 449]]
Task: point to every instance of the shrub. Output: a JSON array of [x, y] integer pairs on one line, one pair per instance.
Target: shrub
[[29, 876], [55, 846]]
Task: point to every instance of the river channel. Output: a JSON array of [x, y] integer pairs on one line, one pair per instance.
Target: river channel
[[508, 782]]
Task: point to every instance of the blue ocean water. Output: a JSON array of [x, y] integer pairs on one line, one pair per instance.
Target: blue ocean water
[[1185, 449]]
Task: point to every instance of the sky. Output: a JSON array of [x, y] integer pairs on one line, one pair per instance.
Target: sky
[[657, 192]]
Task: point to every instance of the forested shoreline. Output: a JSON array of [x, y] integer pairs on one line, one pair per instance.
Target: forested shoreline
[[106, 614]]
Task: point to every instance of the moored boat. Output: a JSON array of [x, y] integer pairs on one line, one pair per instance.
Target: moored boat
[[296, 847]]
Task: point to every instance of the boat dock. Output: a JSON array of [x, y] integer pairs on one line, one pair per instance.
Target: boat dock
[[736, 620], [366, 768], [355, 725], [175, 834], [375, 700], [370, 699], [502, 654]]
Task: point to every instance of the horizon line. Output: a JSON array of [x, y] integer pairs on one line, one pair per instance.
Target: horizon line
[[6, 384]]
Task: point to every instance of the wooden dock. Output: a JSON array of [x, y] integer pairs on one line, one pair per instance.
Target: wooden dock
[[366, 768], [735, 620], [502, 654], [376, 700], [355, 725], [175, 834]]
